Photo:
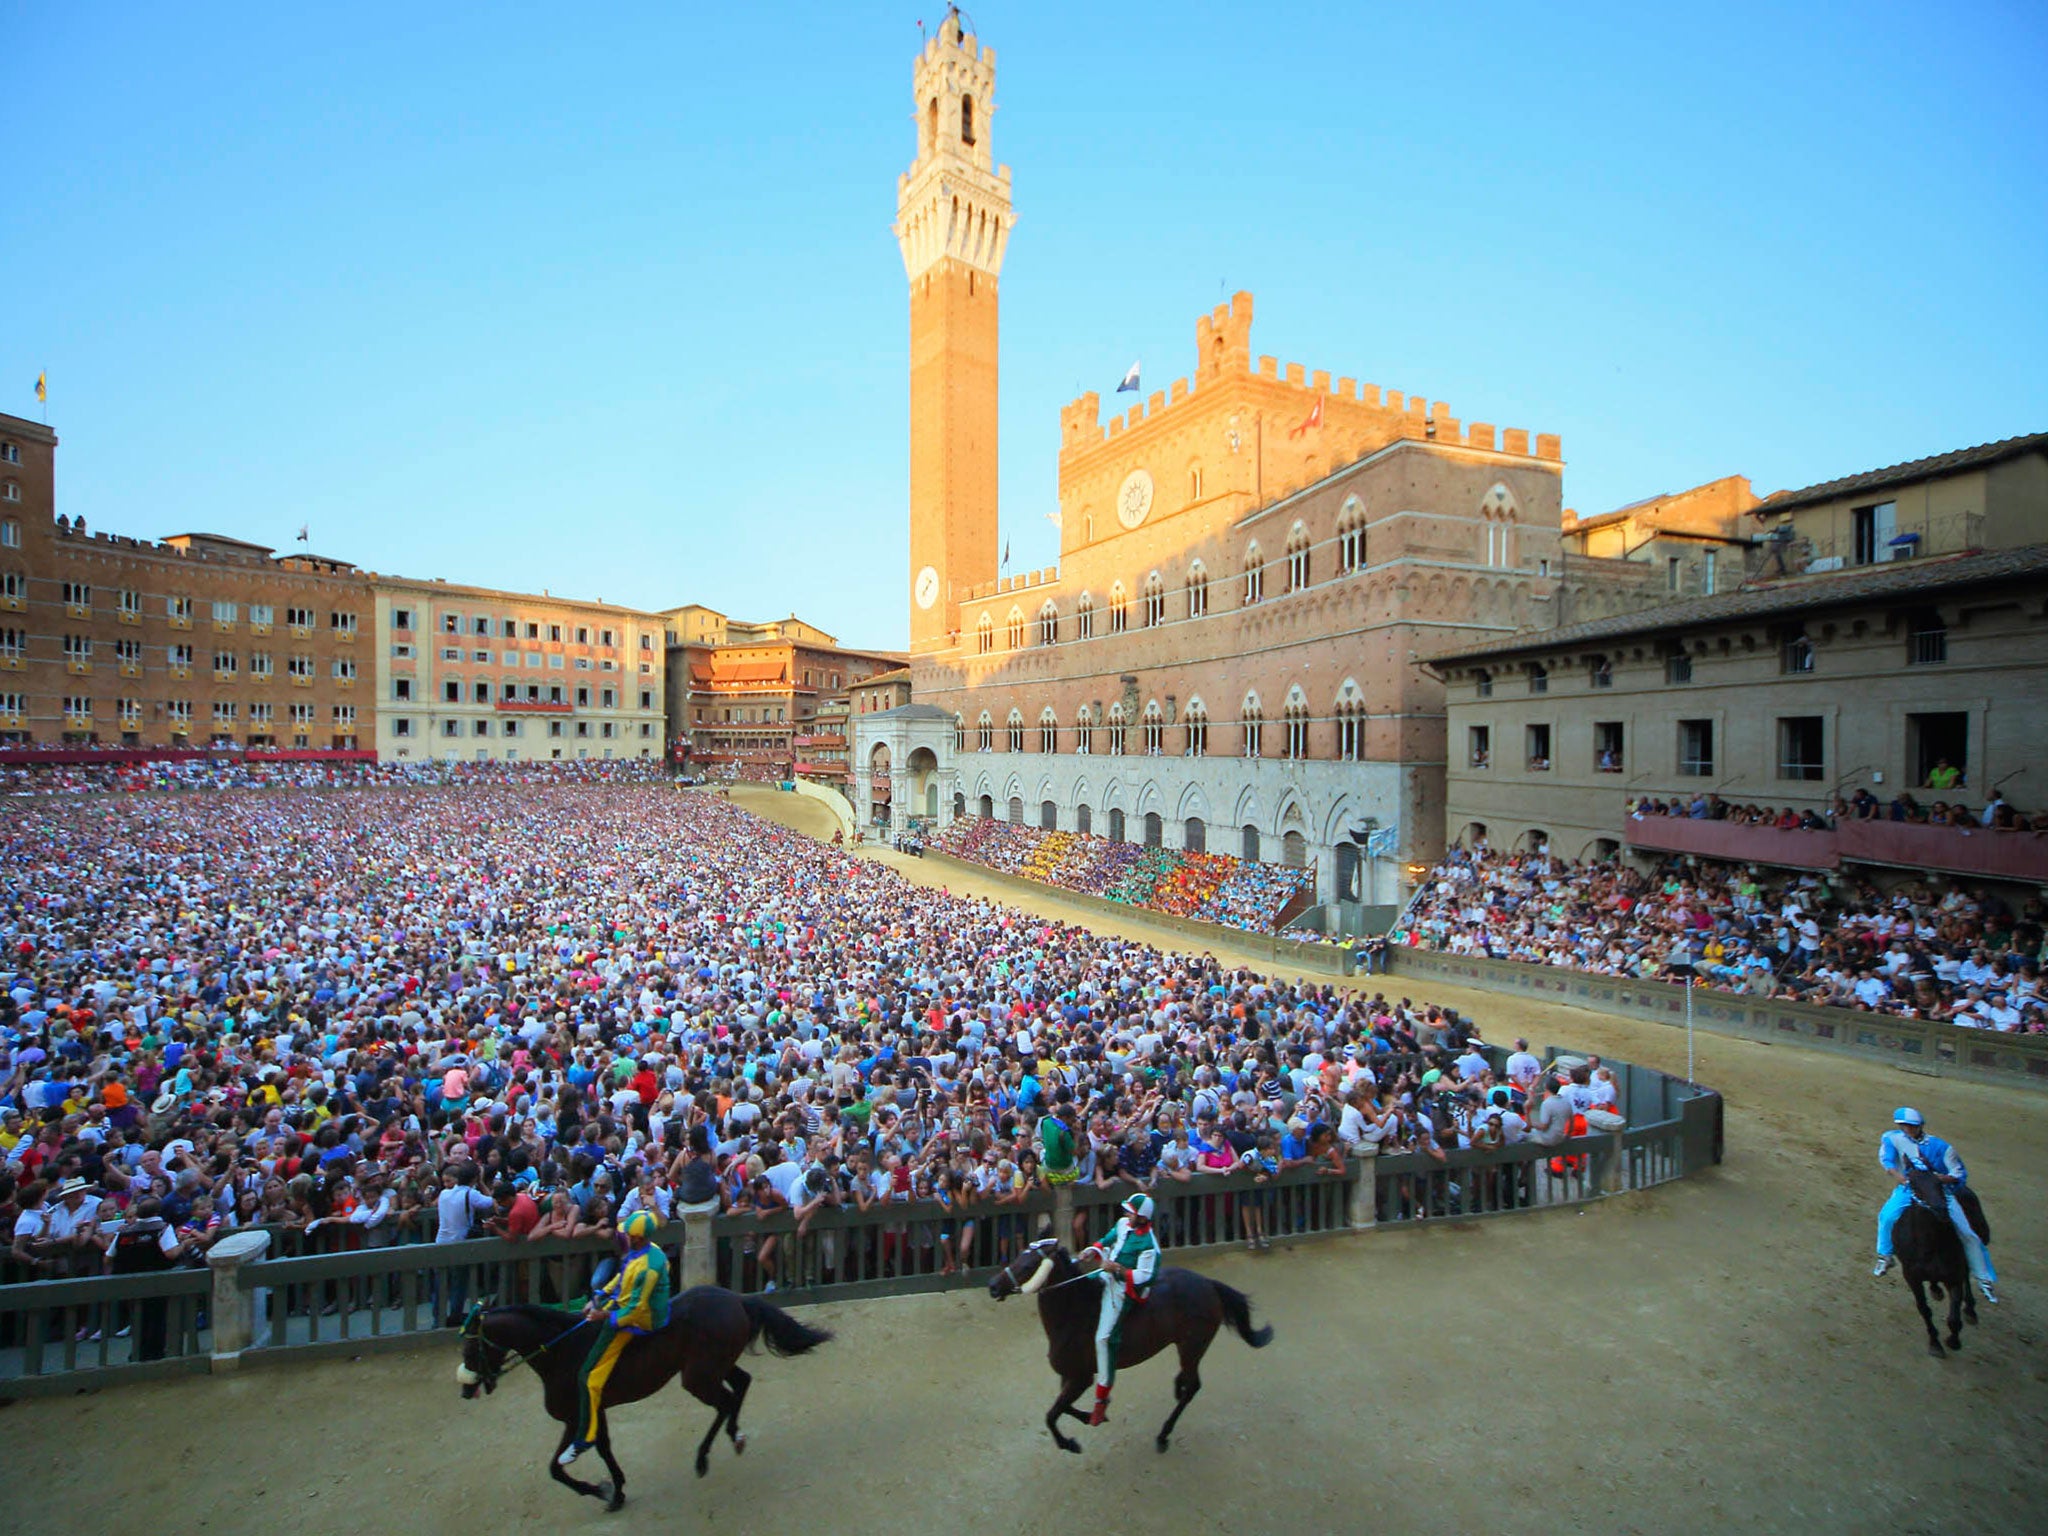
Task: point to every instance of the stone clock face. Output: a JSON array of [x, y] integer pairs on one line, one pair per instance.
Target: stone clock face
[[1134, 498], [926, 591]]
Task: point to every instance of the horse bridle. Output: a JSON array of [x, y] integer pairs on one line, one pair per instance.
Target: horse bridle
[[491, 1374]]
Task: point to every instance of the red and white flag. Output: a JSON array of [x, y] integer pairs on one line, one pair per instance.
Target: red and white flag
[[1314, 419]]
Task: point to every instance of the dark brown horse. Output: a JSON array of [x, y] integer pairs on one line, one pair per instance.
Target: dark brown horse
[[1185, 1310], [709, 1329], [1931, 1257]]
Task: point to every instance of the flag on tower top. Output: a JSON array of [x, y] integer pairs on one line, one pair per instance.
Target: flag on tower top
[[1314, 419], [43, 385], [1130, 380], [305, 532]]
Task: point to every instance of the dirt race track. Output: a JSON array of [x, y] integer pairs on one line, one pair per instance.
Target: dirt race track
[[1711, 1355]]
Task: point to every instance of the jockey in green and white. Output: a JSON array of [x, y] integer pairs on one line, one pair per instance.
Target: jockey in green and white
[[1128, 1260]]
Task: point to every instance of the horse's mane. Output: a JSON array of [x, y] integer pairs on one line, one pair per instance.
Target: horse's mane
[[558, 1318]]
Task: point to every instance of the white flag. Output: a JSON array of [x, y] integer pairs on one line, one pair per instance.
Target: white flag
[[1130, 380]]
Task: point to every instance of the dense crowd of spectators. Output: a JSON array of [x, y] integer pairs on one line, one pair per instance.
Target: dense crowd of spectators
[[1997, 814], [1208, 887], [534, 1007], [233, 771], [1921, 950]]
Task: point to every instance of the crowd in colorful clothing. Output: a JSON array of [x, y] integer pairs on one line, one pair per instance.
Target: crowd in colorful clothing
[[229, 770], [1921, 949], [1207, 887], [533, 1008]]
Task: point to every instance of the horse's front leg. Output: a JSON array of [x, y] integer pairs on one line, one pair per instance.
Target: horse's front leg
[[1956, 1293], [1927, 1317], [1071, 1388], [560, 1473]]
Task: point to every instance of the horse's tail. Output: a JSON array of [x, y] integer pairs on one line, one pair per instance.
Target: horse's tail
[[1237, 1311], [783, 1334]]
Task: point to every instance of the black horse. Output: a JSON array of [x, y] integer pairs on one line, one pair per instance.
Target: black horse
[[1184, 1309], [708, 1330], [1931, 1256]]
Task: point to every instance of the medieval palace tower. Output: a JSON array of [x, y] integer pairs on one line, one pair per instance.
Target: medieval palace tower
[[953, 222]]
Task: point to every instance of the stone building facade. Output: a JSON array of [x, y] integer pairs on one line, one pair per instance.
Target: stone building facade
[[1786, 693], [473, 674], [1252, 560], [1991, 496], [189, 641], [763, 699]]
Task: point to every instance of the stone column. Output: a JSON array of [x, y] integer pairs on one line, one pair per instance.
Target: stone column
[[1615, 1180], [1365, 1206], [1063, 1212], [234, 1306], [700, 1250]]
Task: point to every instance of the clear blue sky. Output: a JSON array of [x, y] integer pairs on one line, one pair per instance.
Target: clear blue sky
[[604, 298]]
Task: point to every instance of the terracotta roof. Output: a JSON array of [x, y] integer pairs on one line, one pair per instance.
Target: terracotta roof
[[1911, 471], [1799, 594]]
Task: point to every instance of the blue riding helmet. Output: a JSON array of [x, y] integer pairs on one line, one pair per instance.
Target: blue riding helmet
[[1908, 1116]]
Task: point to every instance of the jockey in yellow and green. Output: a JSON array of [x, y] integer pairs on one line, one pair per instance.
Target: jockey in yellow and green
[[633, 1303]]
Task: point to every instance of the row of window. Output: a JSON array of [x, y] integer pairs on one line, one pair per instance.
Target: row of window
[[482, 624], [179, 712], [1800, 751], [1926, 646], [607, 730], [479, 692], [78, 596], [555, 661], [1294, 738], [1296, 569], [82, 649]]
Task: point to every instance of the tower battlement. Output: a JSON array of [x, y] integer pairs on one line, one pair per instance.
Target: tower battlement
[[1223, 356]]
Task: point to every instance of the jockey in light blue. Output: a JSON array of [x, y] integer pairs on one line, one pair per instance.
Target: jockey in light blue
[[1908, 1142]]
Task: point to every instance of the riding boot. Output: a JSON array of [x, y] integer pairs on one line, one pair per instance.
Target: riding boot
[[1101, 1413]]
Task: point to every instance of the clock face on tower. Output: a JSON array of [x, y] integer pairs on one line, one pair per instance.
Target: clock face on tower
[[1134, 498], [926, 589]]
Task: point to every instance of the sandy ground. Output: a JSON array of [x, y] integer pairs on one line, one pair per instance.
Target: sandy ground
[[1712, 1354]]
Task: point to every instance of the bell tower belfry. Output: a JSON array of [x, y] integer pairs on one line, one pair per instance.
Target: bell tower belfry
[[953, 221]]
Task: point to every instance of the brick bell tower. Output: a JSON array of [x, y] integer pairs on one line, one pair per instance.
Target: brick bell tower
[[953, 221]]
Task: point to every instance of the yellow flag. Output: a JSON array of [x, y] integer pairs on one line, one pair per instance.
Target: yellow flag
[[43, 385]]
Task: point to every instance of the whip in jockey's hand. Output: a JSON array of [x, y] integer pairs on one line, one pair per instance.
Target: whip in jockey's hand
[[1126, 1262]]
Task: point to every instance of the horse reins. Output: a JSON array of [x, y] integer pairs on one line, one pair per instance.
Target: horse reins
[[517, 1358]]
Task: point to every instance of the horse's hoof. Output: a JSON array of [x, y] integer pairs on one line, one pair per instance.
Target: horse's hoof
[[1934, 1349], [609, 1494], [1161, 1444], [1071, 1445], [1955, 1341], [739, 1445], [703, 1465]]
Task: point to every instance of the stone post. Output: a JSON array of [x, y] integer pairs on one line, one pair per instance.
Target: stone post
[[700, 1250], [1365, 1205], [1616, 1170], [234, 1305], [1063, 1212]]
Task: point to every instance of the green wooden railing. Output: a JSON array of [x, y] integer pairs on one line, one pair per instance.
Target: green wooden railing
[[60, 1335]]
